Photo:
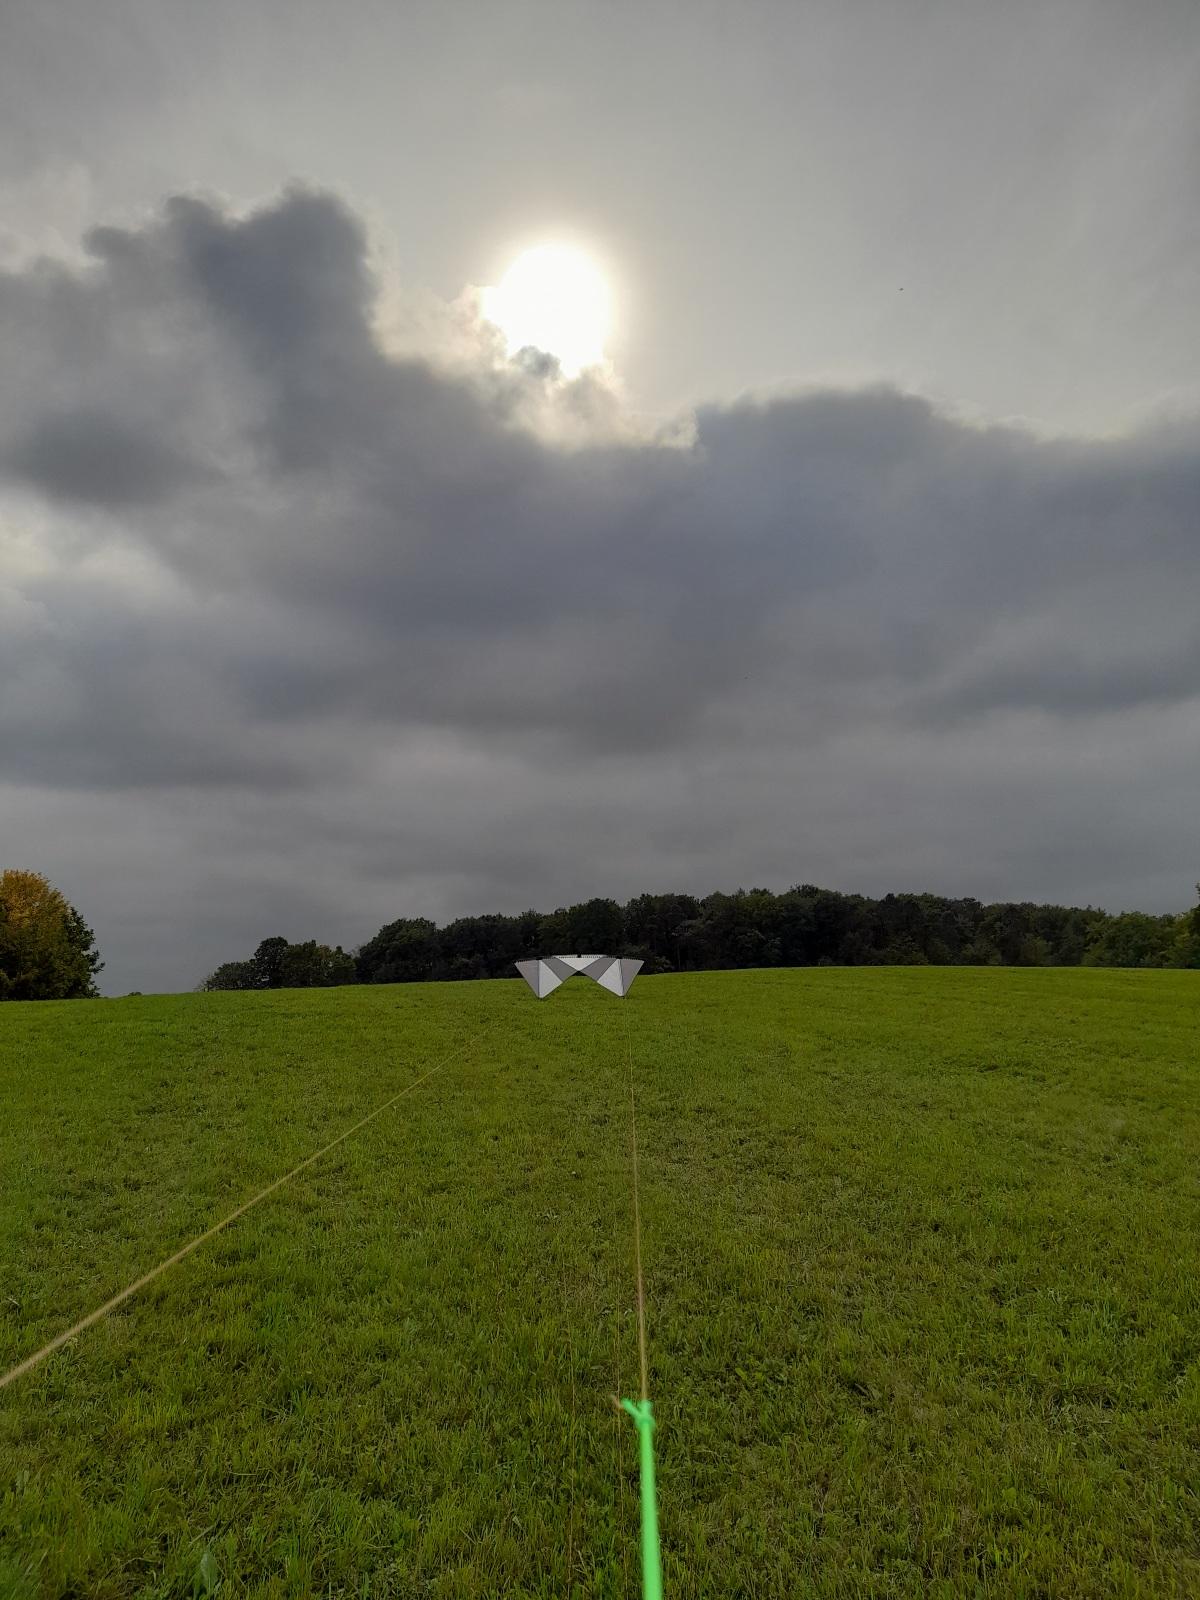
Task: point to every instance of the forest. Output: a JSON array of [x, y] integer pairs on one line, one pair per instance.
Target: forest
[[803, 927]]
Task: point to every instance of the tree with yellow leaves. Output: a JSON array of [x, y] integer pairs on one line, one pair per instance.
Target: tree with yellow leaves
[[47, 950]]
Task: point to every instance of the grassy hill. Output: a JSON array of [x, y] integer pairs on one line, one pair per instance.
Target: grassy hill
[[922, 1265]]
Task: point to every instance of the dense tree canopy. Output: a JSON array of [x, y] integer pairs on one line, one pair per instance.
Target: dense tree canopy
[[804, 927], [47, 951]]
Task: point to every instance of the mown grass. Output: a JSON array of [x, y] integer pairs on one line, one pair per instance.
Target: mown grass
[[922, 1270]]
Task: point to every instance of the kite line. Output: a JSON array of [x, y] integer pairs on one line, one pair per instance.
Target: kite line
[[93, 1317], [616, 975], [642, 1411]]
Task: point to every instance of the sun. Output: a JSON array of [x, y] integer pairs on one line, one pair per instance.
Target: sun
[[555, 299]]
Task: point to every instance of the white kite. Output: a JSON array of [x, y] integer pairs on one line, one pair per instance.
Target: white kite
[[614, 973]]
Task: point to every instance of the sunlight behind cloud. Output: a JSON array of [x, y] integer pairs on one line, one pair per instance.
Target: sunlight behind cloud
[[553, 298]]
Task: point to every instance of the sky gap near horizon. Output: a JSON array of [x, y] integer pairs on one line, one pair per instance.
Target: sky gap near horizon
[[870, 558]]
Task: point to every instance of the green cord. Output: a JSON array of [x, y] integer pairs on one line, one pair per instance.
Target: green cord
[[642, 1413]]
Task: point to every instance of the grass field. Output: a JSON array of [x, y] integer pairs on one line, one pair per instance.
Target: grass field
[[922, 1265]]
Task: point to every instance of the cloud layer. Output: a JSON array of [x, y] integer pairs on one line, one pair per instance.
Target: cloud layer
[[455, 634]]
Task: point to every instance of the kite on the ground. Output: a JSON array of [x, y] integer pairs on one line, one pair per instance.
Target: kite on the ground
[[614, 973]]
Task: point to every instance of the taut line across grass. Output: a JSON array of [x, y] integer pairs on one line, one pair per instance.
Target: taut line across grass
[[93, 1317]]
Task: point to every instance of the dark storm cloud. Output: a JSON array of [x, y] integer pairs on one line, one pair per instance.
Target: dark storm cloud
[[87, 456], [306, 635], [289, 533]]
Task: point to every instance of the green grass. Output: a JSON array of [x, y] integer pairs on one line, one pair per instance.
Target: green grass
[[921, 1252]]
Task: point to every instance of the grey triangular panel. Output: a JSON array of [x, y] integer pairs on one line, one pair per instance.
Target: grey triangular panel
[[540, 977], [529, 971], [629, 971], [550, 978]]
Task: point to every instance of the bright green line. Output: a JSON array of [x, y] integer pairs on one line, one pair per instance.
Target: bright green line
[[642, 1413]]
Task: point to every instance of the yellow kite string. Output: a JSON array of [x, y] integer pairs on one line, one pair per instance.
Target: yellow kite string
[[57, 1343]]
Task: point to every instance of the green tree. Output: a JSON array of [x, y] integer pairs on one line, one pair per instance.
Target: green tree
[[315, 966], [276, 964], [1186, 948], [232, 975], [405, 951], [47, 950], [1133, 939]]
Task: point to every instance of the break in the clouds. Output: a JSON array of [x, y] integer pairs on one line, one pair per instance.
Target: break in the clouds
[[300, 630]]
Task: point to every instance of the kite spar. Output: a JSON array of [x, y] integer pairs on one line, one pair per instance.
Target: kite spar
[[616, 974]]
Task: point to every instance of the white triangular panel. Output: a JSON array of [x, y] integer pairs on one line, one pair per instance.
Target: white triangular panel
[[618, 976], [611, 973]]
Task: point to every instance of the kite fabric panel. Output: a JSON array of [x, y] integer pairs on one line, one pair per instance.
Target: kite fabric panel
[[614, 973]]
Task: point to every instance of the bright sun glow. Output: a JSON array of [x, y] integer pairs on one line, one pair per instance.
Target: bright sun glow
[[553, 298]]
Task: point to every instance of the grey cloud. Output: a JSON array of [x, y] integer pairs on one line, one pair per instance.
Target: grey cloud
[[272, 558], [350, 535], [995, 203], [88, 456]]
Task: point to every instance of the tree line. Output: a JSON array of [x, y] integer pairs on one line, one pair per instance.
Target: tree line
[[48, 952], [803, 927]]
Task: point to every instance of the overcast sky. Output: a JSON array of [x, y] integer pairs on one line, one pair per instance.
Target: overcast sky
[[873, 560]]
